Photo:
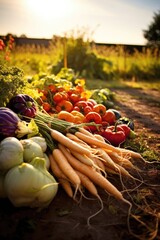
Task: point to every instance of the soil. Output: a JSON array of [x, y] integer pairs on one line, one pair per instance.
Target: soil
[[66, 219]]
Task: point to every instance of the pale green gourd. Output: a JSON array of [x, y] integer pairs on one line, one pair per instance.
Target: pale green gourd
[[41, 141], [31, 150], [11, 153], [30, 184], [47, 161]]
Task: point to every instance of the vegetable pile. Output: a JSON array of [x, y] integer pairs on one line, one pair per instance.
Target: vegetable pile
[[75, 143]]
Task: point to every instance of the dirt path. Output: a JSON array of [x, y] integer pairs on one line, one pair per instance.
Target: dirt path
[[143, 107]]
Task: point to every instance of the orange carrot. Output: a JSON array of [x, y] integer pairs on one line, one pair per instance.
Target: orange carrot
[[65, 167], [66, 186], [107, 160], [68, 142], [94, 141], [121, 160], [94, 176], [87, 183], [84, 159], [55, 168]]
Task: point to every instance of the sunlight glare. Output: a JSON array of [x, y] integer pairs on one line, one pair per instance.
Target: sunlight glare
[[50, 8]]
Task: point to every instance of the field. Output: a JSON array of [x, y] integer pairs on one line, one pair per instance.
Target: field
[[135, 98]]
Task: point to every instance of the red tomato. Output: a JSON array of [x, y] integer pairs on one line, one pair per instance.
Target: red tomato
[[81, 105], [64, 105], [92, 101], [99, 108], [52, 88], [79, 88], [76, 108], [93, 117], [74, 98], [87, 109], [60, 89], [45, 92], [59, 96], [109, 117], [46, 106]]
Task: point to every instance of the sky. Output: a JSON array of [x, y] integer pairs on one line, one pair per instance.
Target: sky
[[103, 21]]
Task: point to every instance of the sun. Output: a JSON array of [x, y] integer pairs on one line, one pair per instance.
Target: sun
[[50, 8]]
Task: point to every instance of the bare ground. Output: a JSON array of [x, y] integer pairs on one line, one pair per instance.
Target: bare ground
[[65, 219]]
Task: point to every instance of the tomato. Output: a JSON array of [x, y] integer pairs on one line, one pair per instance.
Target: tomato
[[46, 106], [59, 96], [52, 88], [64, 105], [87, 109], [72, 91], [60, 89], [66, 116], [99, 108], [79, 88], [74, 98], [81, 105], [92, 101], [45, 92], [76, 108], [43, 98], [115, 136], [109, 117], [95, 118]]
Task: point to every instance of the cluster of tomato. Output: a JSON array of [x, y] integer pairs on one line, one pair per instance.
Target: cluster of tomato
[[74, 106]]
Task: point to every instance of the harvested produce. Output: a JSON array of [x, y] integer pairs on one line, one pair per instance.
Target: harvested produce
[[23, 104], [11, 125], [11, 153], [40, 141], [114, 135], [30, 184], [31, 150]]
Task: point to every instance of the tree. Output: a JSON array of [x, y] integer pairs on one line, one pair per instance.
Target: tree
[[152, 34]]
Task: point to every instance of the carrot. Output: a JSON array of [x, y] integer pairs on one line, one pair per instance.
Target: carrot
[[66, 186], [86, 132], [99, 137], [55, 168], [65, 167], [97, 178], [84, 159], [94, 141], [90, 139], [107, 160], [100, 164], [87, 183], [69, 143], [121, 160], [77, 140], [73, 137]]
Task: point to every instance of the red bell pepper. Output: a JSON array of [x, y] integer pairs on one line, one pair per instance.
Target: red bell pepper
[[115, 135]]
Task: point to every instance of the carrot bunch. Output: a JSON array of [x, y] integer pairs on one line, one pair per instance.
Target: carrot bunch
[[80, 159]]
